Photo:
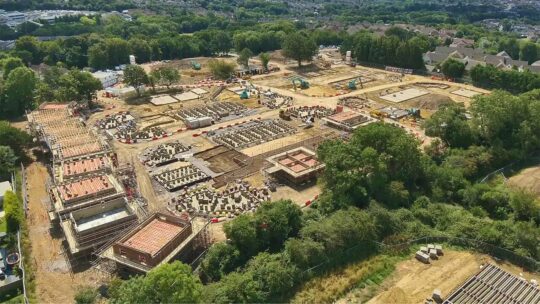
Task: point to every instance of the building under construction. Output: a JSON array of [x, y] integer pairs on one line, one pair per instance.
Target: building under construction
[[86, 200], [297, 166], [160, 239]]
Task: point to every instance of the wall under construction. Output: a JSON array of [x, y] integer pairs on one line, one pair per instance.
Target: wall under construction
[[153, 240]]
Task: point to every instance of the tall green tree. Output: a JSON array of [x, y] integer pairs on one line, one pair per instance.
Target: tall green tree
[[529, 52], [244, 56], [31, 45], [14, 138], [168, 76], [453, 68], [168, 283], [135, 76], [300, 47], [19, 91], [451, 124], [265, 59], [7, 162], [9, 64]]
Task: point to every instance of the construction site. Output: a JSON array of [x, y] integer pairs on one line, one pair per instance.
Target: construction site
[[92, 198], [180, 162]]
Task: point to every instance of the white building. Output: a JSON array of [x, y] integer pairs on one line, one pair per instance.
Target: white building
[[107, 78], [4, 187]]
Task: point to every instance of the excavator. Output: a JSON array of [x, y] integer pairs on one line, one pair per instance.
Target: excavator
[[195, 65], [352, 84], [299, 82], [244, 94]]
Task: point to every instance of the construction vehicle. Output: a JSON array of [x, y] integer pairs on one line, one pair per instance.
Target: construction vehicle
[[352, 83], [195, 65], [376, 114], [308, 123], [244, 94], [299, 82], [284, 115], [414, 112]]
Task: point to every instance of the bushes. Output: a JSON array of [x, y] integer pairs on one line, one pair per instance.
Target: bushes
[[14, 212], [86, 295], [221, 69], [343, 236], [267, 229], [513, 81], [168, 283]]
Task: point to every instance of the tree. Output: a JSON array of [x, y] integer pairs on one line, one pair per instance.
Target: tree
[[451, 124], [221, 259], [244, 56], [167, 283], [529, 52], [141, 50], [13, 211], [362, 169], [7, 162], [243, 234], [77, 86], [98, 56], [234, 288], [221, 42], [265, 59], [525, 206], [453, 68], [300, 47], [19, 91], [135, 76], [9, 64], [276, 222], [14, 138], [169, 76], [221, 69], [154, 78], [31, 45], [86, 295]]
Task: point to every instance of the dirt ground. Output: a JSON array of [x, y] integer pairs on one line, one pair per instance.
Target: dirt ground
[[528, 179], [413, 282], [54, 282]]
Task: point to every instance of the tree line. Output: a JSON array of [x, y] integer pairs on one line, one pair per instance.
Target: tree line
[[395, 48]]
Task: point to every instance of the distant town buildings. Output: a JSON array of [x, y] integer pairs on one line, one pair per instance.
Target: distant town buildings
[[472, 57], [15, 18]]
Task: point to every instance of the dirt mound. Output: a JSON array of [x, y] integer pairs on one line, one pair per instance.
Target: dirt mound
[[393, 295], [430, 102]]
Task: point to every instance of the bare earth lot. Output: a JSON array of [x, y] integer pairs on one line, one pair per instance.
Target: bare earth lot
[[528, 179], [413, 282], [54, 282]]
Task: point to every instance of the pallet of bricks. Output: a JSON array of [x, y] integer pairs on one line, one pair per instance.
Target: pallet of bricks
[[253, 133], [309, 111], [233, 201], [216, 111], [182, 177], [163, 154]]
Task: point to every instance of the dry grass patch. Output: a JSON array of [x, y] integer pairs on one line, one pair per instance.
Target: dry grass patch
[[332, 286]]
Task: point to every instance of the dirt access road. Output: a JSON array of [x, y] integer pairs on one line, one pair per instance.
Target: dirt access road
[[54, 282]]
